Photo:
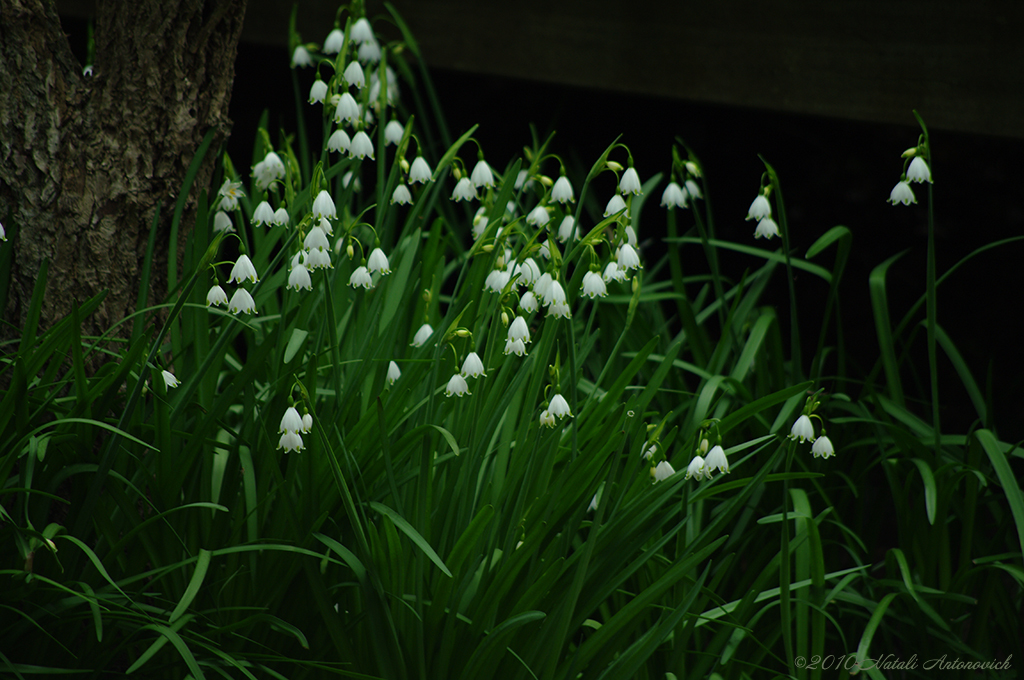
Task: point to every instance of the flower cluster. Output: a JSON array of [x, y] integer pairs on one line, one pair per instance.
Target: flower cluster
[[291, 425], [917, 171]]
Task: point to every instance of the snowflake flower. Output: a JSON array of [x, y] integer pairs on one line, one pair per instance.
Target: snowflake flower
[[663, 471], [547, 419], [517, 347], [420, 171], [317, 92], [230, 192], [528, 303], [243, 270], [766, 228], [316, 238], [716, 459], [482, 175], [169, 379], [323, 206], [630, 182], [457, 386], [263, 214], [422, 335], [361, 146], [301, 57], [280, 217], [615, 204], [559, 407], [538, 217], [562, 191], [216, 296], [393, 133], [378, 262], [290, 441], [354, 75], [823, 447], [394, 373], [473, 367], [674, 196], [628, 257], [361, 31], [902, 193], [802, 430], [339, 141], [613, 272], [299, 278], [760, 208], [594, 286], [568, 229], [464, 190], [519, 330], [334, 42], [242, 302], [919, 171], [401, 195], [222, 222]]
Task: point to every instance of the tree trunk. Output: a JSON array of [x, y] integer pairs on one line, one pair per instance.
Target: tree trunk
[[85, 161]]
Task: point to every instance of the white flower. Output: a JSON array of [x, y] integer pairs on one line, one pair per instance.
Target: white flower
[[696, 469], [759, 208], [243, 270], [614, 205], [268, 170], [674, 196], [361, 146], [555, 294], [323, 206], [693, 189], [823, 447], [222, 222], [517, 347], [482, 175], [597, 496], [464, 190], [361, 31], [613, 272], [519, 330], [559, 309], [299, 278], [422, 335], [919, 171], [627, 257], [650, 451], [663, 471], [538, 217], [393, 133], [766, 228], [263, 214], [280, 217], [401, 195], [230, 192], [456, 386], [542, 285], [216, 296], [559, 407], [528, 303], [496, 280], [566, 229], [594, 286], [802, 430], [349, 178], [369, 51], [394, 373], [360, 277], [307, 422], [716, 459], [353, 75], [290, 441], [378, 262], [242, 302], [473, 367], [301, 57], [316, 238], [521, 179], [317, 92], [334, 41], [547, 249], [325, 225], [547, 419], [902, 193], [562, 191], [630, 182], [319, 258], [169, 380], [630, 236], [339, 141], [528, 271], [420, 171], [291, 421], [347, 109]]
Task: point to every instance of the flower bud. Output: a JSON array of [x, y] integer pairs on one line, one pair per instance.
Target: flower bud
[[405, 165], [909, 153], [545, 180], [463, 333], [456, 173], [504, 318], [612, 165], [350, 251], [636, 283], [693, 168], [426, 295], [703, 446]]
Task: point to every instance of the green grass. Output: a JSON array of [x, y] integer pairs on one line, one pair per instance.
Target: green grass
[[162, 533]]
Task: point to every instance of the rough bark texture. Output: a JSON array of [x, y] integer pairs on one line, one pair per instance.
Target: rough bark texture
[[85, 161]]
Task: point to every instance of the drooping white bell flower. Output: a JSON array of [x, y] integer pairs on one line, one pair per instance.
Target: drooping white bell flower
[[354, 75], [216, 296], [243, 270], [422, 335], [281, 217], [628, 257], [674, 196], [317, 92], [716, 459], [594, 286], [420, 171], [457, 386], [630, 182], [760, 208], [538, 217], [299, 279], [360, 277], [323, 206], [378, 262], [242, 302], [316, 238], [290, 441], [802, 430], [823, 447], [401, 195], [319, 258], [696, 469], [473, 367], [482, 175], [615, 204], [517, 347], [339, 141], [393, 133], [369, 51], [230, 192], [919, 171], [518, 330], [291, 421], [394, 373], [559, 407], [663, 471], [902, 193], [568, 229], [169, 379], [334, 41], [263, 214], [546, 418], [301, 57], [464, 190], [347, 109], [361, 146], [222, 222], [766, 228], [528, 303], [562, 191]]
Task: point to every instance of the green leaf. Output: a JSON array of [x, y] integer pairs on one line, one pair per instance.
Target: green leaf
[[413, 535], [1006, 477], [202, 564], [883, 327], [295, 341], [930, 494]]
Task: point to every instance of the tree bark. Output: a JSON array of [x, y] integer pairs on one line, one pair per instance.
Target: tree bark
[[85, 161]]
